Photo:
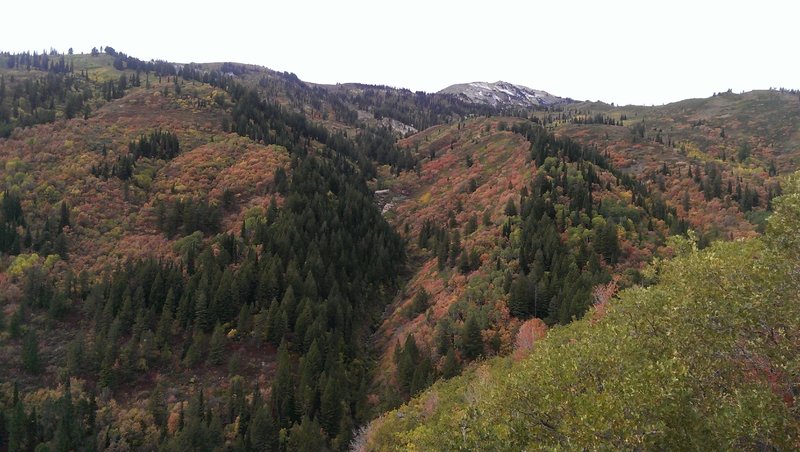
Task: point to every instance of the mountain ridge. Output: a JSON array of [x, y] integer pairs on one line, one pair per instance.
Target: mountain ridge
[[502, 94]]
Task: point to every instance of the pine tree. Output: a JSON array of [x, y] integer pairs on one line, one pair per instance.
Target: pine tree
[[15, 325], [157, 406], [511, 208], [330, 407], [263, 431], [17, 430], [472, 340], [306, 436], [30, 353], [451, 366], [423, 376], [202, 317], [217, 346], [282, 388], [64, 216], [164, 328], [518, 303], [406, 361], [195, 352], [67, 434], [420, 302]]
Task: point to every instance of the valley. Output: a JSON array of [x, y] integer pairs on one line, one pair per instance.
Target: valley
[[225, 257]]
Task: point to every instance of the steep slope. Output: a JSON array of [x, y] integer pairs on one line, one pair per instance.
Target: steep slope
[[708, 353], [505, 222], [503, 94]]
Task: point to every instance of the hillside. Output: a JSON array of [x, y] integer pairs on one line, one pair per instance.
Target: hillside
[[223, 256], [150, 253], [500, 233], [709, 352], [717, 160]]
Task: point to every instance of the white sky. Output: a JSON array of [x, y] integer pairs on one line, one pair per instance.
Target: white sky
[[640, 52]]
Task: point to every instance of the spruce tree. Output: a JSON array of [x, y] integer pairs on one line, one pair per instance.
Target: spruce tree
[[30, 353], [282, 388], [330, 406], [472, 340], [263, 431], [217, 346], [451, 366], [511, 208]]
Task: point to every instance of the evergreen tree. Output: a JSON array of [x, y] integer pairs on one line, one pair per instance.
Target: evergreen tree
[[263, 432], [15, 324], [282, 388], [64, 220], [194, 353], [511, 208], [472, 341], [217, 346], [406, 361], [17, 427], [306, 436], [157, 406], [420, 302], [422, 377], [330, 406], [30, 353], [451, 366]]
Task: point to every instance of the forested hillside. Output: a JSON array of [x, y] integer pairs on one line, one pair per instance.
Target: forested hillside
[[211, 277], [219, 256], [706, 356]]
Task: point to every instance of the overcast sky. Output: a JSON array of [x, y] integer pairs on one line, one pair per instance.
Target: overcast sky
[[640, 52]]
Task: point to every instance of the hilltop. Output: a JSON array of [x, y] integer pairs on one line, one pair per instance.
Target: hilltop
[[504, 94]]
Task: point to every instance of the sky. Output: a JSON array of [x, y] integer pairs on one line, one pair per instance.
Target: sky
[[626, 52]]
